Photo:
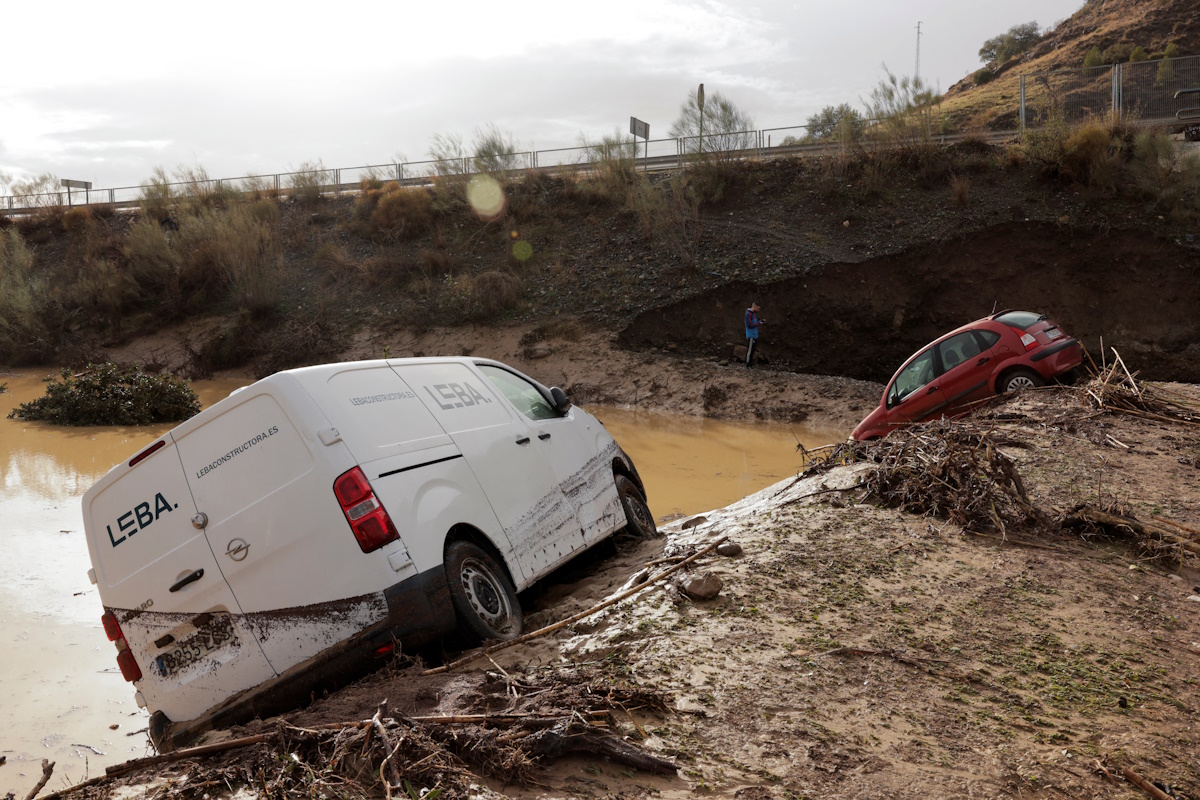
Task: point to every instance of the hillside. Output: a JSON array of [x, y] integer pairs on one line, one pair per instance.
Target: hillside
[[858, 260], [1113, 26]]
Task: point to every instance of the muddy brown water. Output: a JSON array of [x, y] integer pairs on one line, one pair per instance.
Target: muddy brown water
[[62, 696]]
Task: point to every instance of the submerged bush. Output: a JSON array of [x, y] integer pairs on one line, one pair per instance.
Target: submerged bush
[[108, 394]]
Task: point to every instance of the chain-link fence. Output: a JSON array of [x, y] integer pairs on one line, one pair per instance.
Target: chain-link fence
[[1145, 91]]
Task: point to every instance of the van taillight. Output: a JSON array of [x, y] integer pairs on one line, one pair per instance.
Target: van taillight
[[367, 517], [130, 670], [149, 451]]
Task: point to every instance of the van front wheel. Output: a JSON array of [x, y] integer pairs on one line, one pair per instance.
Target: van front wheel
[[484, 598], [639, 520]]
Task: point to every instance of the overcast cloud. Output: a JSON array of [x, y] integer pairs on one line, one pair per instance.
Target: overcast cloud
[[108, 91]]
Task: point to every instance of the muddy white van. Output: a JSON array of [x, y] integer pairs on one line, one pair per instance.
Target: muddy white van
[[314, 519]]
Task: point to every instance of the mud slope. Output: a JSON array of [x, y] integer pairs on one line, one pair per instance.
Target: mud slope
[[862, 320]]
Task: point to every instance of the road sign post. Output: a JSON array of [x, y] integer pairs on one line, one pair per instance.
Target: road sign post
[[700, 104], [642, 129], [70, 184]]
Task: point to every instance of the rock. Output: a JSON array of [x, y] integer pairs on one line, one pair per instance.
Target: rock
[[694, 521], [836, 501], [539, 350], [739, 352], [705, 586], [1195, 598], [729, 549]]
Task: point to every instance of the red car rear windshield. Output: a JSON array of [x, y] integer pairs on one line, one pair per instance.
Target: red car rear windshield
[[1019, 319]]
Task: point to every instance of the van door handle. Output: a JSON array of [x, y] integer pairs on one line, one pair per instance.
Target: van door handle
[[543, 436], [522, 440], [983, 361], [184, 581]]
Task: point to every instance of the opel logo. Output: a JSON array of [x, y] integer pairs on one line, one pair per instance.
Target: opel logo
[[237, 549]]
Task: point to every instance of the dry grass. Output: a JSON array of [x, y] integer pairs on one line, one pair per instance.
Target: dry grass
[[496, 292], [960, 186]]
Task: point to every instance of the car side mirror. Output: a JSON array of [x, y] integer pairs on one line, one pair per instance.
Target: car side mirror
[[562, 403]]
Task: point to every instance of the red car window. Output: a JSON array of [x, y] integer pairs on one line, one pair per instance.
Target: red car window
[[958, 349], [918, 372]]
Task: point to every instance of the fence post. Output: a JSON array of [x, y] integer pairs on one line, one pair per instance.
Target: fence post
[[1116, 80], [1021, 112]]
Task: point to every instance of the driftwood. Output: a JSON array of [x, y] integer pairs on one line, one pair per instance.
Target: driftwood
[[1155, 538], [1145, 785], [47, 771], [1116, 390], [487, 651], [575, 736]]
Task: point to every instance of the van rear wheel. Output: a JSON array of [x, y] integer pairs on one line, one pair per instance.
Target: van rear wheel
[[640, 522], [485, 600]]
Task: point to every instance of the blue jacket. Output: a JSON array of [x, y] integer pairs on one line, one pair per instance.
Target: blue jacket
[[752, 324]]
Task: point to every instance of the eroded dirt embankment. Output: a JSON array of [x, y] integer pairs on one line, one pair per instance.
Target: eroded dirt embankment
[[861, 320]]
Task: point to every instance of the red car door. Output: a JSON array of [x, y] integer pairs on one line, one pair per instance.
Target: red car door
[[915, 393], [966, 367]]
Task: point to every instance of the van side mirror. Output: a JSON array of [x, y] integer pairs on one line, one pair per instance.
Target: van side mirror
[[562, 403]]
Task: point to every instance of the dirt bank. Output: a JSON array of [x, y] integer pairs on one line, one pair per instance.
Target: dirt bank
[[862, 319], [853, 650], [594, 370]]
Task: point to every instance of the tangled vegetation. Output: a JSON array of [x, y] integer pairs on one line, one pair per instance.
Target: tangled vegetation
[[109, 394]]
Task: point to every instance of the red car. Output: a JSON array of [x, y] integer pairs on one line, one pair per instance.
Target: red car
[[1001, 353]]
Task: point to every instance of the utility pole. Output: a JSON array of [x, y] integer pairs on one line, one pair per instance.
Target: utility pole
[[918, 72]]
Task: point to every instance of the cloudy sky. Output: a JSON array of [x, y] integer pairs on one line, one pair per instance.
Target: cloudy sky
[[108, 91]]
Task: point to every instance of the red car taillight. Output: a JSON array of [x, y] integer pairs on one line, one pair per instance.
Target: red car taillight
[[130, 670], [367, 517], [1026, 339]]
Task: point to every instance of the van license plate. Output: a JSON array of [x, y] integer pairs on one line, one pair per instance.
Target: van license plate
[[211, 637]]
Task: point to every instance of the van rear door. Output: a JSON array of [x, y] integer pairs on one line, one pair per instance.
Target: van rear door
[[157, 574], [274, 522]]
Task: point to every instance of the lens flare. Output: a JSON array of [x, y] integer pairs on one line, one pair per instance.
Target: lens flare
[[486, 196], [522, 251]]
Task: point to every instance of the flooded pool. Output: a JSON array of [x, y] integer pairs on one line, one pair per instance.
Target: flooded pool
[[64, 698]]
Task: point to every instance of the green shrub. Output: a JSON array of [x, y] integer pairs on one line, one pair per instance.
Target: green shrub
[[77, 220], [1166, 68], [495, 293], [108, 394], [1016, 40], [1117, 53], [307, 180], [1168, 175], [1139, 54], [982, 75], [1093, 58], [495, 152], [264, 210], [612, 164], [401, 213], [20, 294], [1086, 157]]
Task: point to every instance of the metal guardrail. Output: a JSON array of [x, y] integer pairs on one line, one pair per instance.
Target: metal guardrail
[[1147, 90], [663, 154]]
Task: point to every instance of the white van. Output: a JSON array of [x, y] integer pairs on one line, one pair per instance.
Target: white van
[[310, 521]]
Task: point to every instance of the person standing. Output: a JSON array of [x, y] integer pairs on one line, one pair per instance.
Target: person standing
[[753, 322]]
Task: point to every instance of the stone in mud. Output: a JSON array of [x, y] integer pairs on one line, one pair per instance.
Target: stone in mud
[[739, 352], [705, 586], [1195, 598], [729, 549], [538, 350], [694, 521]]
